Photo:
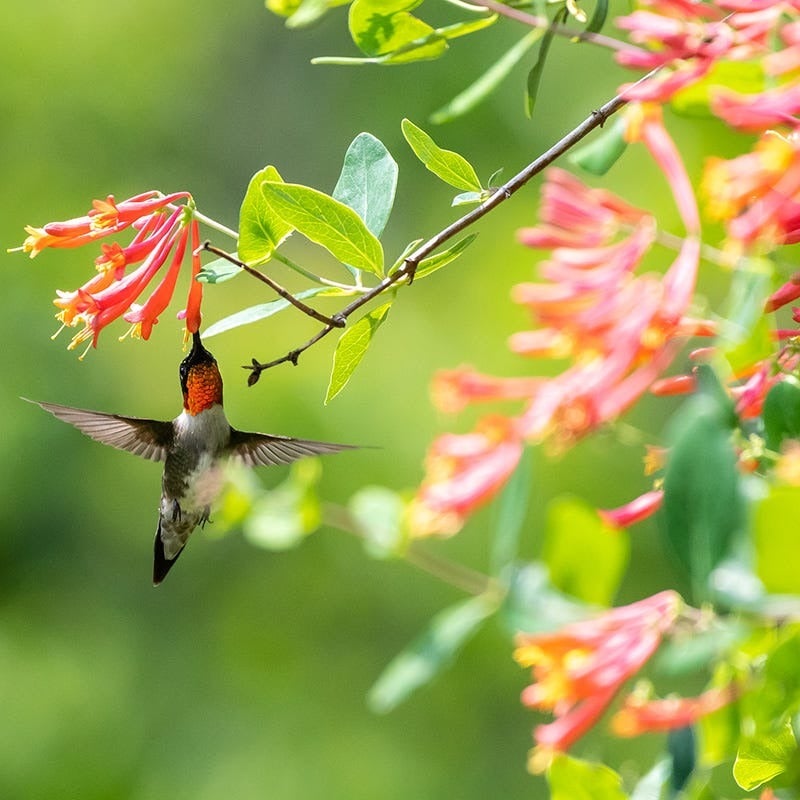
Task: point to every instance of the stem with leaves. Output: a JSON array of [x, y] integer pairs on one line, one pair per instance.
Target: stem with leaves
[[405, 273]]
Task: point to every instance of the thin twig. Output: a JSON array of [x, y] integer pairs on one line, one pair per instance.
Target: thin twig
[[336, 321], [534, 21], [406, 272]]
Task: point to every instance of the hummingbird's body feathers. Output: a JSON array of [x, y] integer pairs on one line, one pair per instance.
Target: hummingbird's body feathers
[[265, 450], [194, 447], [148, 438]]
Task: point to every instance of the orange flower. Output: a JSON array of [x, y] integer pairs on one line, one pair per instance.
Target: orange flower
[[578, 670], [462, 473], [161, 228]]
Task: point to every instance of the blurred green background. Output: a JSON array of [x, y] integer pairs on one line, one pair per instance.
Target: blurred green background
[[245, 675]]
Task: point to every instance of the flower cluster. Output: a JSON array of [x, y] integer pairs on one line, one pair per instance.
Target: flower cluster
[[618, 329], [161, 227], [578, 670]]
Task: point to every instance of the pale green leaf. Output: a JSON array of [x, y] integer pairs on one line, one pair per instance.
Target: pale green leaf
[[451, 167], [368, 181], [763, 757], [465, 28], [379, 514], [352, 347], [258, 312], [478, 91], [218, 271], [777, 545], [435, 262], [512, 507], [261, 230], [652, 785], [326, 222], [448, 632]]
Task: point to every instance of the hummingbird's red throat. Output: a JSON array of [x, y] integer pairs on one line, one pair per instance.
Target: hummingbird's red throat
[[203, 388]]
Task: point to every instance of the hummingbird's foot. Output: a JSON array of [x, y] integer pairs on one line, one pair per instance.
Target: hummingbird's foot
[[176, 511], [205, 516]]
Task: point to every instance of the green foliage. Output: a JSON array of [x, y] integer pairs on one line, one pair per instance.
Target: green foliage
[[379, 515], [431, 652], [606, 148], [261, 228], [572, 779], [451, 167], [777, 545], [586, 558], [259, 312], [352, 347], [653, 784], [535, 75], [764, 756], [511, 508], [782, 413], [427, 266], [703, 507], [326, 222], [746, 77], [218, 271]]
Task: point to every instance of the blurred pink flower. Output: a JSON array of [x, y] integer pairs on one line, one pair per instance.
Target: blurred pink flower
[[578, 670], [635, 511]]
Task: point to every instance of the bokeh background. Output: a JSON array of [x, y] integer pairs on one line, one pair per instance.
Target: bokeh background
[[245, 674]]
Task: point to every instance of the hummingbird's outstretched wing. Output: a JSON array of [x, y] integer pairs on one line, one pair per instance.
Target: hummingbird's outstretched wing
[[264, 450], [148, 438]]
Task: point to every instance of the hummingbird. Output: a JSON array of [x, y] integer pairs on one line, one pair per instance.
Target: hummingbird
[[194, 447]]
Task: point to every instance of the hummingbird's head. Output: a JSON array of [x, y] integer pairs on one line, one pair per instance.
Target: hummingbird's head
[[200, 379]]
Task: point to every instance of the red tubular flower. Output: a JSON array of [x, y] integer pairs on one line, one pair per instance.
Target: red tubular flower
[[638, 716], [160, 226], [453, 390], [636, 510], [463, 473], [674, 385], [578, 670]]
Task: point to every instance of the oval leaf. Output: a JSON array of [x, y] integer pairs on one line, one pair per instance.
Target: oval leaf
[[451, 167], [782, 413], [218, 271], [368, 181], [326, 222], [448, 632], [571, 779], [603, 151], [351, 348], [261, 230], [255, 313], [764, 757]]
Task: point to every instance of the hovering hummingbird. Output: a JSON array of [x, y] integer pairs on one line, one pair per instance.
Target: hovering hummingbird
[[193, 447]]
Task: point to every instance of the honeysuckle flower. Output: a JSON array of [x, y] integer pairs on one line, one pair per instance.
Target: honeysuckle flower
[[635, 511], [463, 473], [640, 715], [454, 389], [161, 228], [757, 195], [579, 669]]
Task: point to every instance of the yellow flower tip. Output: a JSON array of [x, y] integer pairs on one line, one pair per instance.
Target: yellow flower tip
[[528, 655], [134, 332], [63, 325], [83, 354], [624, 724], [539, 759]]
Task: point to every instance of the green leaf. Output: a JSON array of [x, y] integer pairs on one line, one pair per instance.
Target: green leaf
[[431, 652], [572, 779], [478, 91], [218, 271], [451, 167], [535, 75], [652, 785], [460, 29], [782, 413], [430, 264], [368, 181], [468, 198], [603, 151], [259, 312], [703, 506], [598, 17], [381, 27], [778, 697], [763, 757], [261, 229], [746, 333], [512, 506], [682, 749], [327, 222], [745, 77], [777, 544], [379, 514], [282, 518], [586, 558], [351, 348], [533, 605]]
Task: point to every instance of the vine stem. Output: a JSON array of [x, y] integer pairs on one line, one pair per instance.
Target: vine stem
[[450, 572], [217, 226], [534, 21], [406, 272]]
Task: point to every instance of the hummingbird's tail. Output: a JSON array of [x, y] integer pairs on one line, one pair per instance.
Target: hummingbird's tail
[[161, 564]]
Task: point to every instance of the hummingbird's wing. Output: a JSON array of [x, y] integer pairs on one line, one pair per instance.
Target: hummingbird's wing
[[264, 450], [148, 438]]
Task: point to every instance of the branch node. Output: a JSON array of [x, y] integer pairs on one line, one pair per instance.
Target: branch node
[[339, 320]]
